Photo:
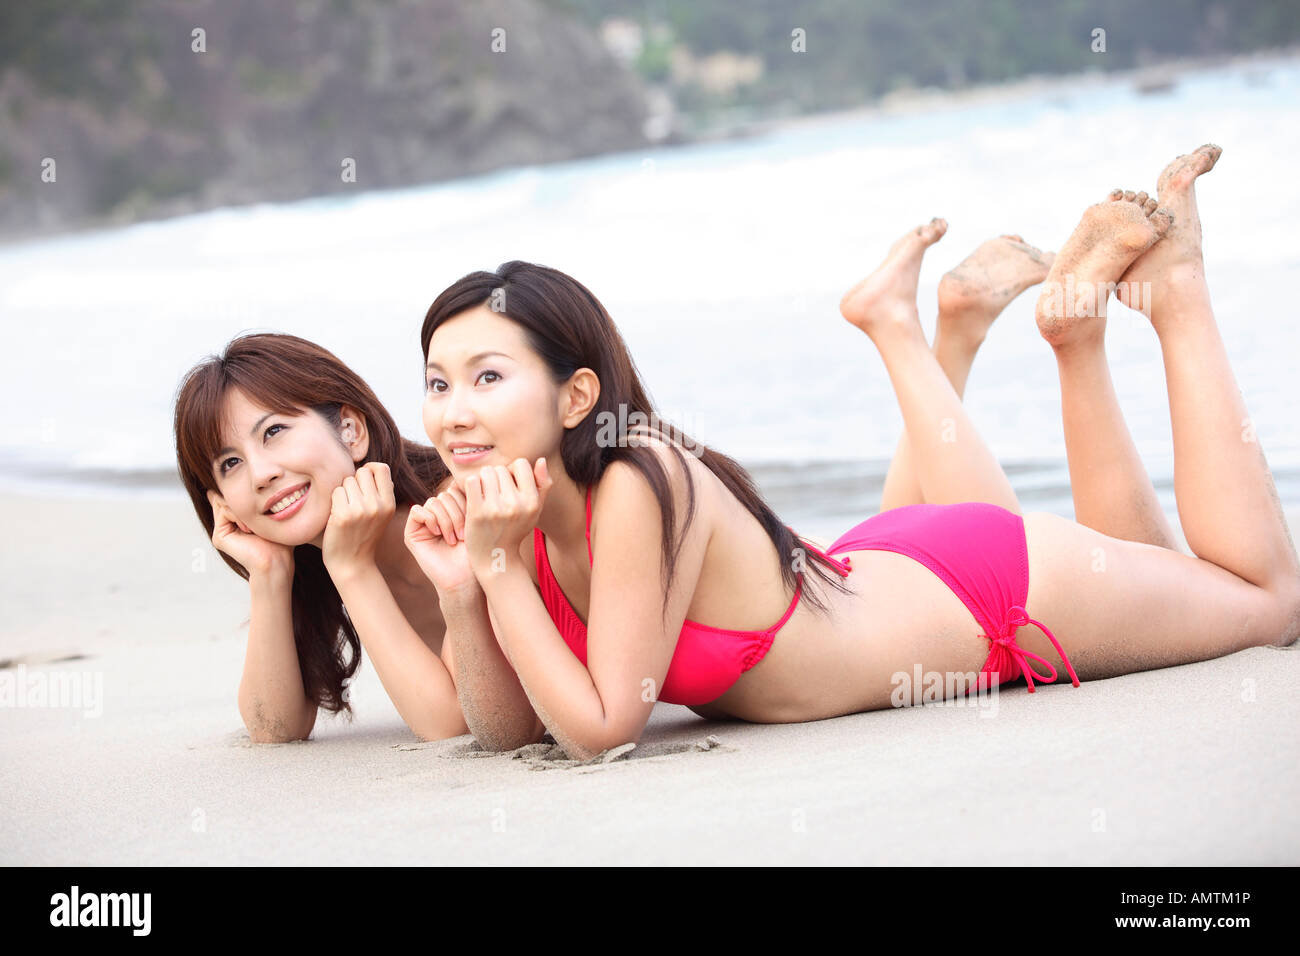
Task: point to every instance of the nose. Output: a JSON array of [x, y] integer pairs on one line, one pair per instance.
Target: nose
[[263, 469], [457, 410]]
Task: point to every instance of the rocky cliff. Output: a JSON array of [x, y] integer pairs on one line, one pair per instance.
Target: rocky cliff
[[115, 111]]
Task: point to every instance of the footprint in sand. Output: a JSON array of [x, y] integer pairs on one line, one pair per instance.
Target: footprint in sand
[[548, 755], [46, 657]]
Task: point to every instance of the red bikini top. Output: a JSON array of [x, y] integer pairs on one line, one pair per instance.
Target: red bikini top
[[706, 661]]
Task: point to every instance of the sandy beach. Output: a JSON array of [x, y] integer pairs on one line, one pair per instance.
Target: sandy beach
[[1197, 764]]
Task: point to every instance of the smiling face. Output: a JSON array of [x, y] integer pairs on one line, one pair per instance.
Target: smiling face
[[266, 454], [487, 392]]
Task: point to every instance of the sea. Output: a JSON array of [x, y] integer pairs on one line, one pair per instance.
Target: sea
[[722, 264]]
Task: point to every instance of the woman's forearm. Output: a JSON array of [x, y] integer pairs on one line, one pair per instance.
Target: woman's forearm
[[417, 681], [559, 686], [272, 702], [494, 704]]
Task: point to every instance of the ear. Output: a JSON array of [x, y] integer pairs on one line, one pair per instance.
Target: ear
[[215, 500], [354, 433], [578, 396]]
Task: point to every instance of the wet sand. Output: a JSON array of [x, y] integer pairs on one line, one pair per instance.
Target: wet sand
[[1190, 765]]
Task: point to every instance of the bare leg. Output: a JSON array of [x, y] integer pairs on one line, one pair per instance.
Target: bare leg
[[1119, 606], [951, 461], [1111, 488], [1227, 502], [971, 296]]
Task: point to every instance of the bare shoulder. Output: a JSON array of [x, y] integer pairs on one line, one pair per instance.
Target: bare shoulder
[[624, 494], [625, 489]]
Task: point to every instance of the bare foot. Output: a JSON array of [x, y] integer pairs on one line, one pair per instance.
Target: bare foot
[[1177, 257], [1072, 307], [972, 295], [886, 299]]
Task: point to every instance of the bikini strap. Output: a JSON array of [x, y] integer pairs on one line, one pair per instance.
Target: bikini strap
[[842, 565], [590, 559], [1017, 617], [845, 564]]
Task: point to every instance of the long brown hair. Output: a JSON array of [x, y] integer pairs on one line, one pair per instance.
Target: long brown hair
[[568, 327], [291, 375]]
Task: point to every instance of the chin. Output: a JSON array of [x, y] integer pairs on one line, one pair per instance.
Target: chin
[[299, 533], [293, 540]]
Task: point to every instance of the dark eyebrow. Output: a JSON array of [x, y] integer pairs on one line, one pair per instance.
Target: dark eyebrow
[[472, 360], [250, 434]]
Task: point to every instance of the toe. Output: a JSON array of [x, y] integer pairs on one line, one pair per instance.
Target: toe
[[1116, 194], [1129, 195], [1182, 172], [1150, 206], [932, 230], [1211, 153], [1141, 198], [1162, 219]]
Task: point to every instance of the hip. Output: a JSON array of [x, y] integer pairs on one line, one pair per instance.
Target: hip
[[843, 660]]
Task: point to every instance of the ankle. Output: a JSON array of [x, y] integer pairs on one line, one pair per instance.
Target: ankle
[[1081, 349], [1179, 302], [898, 336], [953, 337]]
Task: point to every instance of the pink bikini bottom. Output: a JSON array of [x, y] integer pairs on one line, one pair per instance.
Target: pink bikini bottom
[[979, 551]]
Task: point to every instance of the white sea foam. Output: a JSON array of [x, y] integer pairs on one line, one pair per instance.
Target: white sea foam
[[722, 263]]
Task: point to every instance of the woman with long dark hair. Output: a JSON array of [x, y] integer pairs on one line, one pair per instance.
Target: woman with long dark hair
[[663, 576], [301, 478]]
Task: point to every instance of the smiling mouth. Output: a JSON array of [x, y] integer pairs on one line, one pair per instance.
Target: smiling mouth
[[288, 501], [470, 451]]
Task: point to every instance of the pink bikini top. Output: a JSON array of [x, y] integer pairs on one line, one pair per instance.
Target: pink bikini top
[[706, 661]]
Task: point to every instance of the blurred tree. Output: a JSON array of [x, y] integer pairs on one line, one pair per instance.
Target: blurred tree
[[859, 49]]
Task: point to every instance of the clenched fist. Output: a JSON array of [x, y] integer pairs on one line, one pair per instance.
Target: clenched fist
[[231, 536], [360, 510], [435, 535]]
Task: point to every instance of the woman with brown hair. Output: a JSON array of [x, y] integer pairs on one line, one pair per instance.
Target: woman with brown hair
[[527, 375], [301, 478]]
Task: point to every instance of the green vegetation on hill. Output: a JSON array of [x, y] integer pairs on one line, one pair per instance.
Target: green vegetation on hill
[[141, 124], [857, 50], [142, 117]]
